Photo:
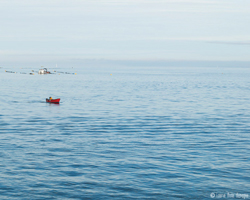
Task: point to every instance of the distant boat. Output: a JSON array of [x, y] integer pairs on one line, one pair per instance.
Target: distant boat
[[52, 100], [43, 71]]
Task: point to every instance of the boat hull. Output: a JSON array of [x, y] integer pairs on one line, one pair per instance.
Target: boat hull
[[53, 100]]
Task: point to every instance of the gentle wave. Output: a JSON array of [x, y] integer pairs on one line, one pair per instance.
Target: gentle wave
[[145, 136]]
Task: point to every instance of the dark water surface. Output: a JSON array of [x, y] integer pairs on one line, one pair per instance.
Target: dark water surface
[[140, 133]]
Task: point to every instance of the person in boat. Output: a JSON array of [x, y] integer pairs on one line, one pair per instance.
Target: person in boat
[[50, 98]]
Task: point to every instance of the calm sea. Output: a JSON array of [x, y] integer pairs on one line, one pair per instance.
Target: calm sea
[[125, 133]]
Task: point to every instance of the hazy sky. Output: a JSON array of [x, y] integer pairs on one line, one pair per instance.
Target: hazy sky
[[124, 29]]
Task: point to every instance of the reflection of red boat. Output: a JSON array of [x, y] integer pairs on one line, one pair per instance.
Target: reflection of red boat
[[53, 100]]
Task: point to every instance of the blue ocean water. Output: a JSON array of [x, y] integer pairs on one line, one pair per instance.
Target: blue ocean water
[[125, 133]]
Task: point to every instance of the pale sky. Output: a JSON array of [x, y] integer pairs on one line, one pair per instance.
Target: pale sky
[[55, 30]]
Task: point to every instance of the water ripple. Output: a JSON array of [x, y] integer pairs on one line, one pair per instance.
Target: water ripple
[[157, 136]]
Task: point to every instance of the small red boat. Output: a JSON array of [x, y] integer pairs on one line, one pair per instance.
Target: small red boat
[[52, 100]]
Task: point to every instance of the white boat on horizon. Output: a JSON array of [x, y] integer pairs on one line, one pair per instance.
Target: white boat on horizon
[[43, 71]]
